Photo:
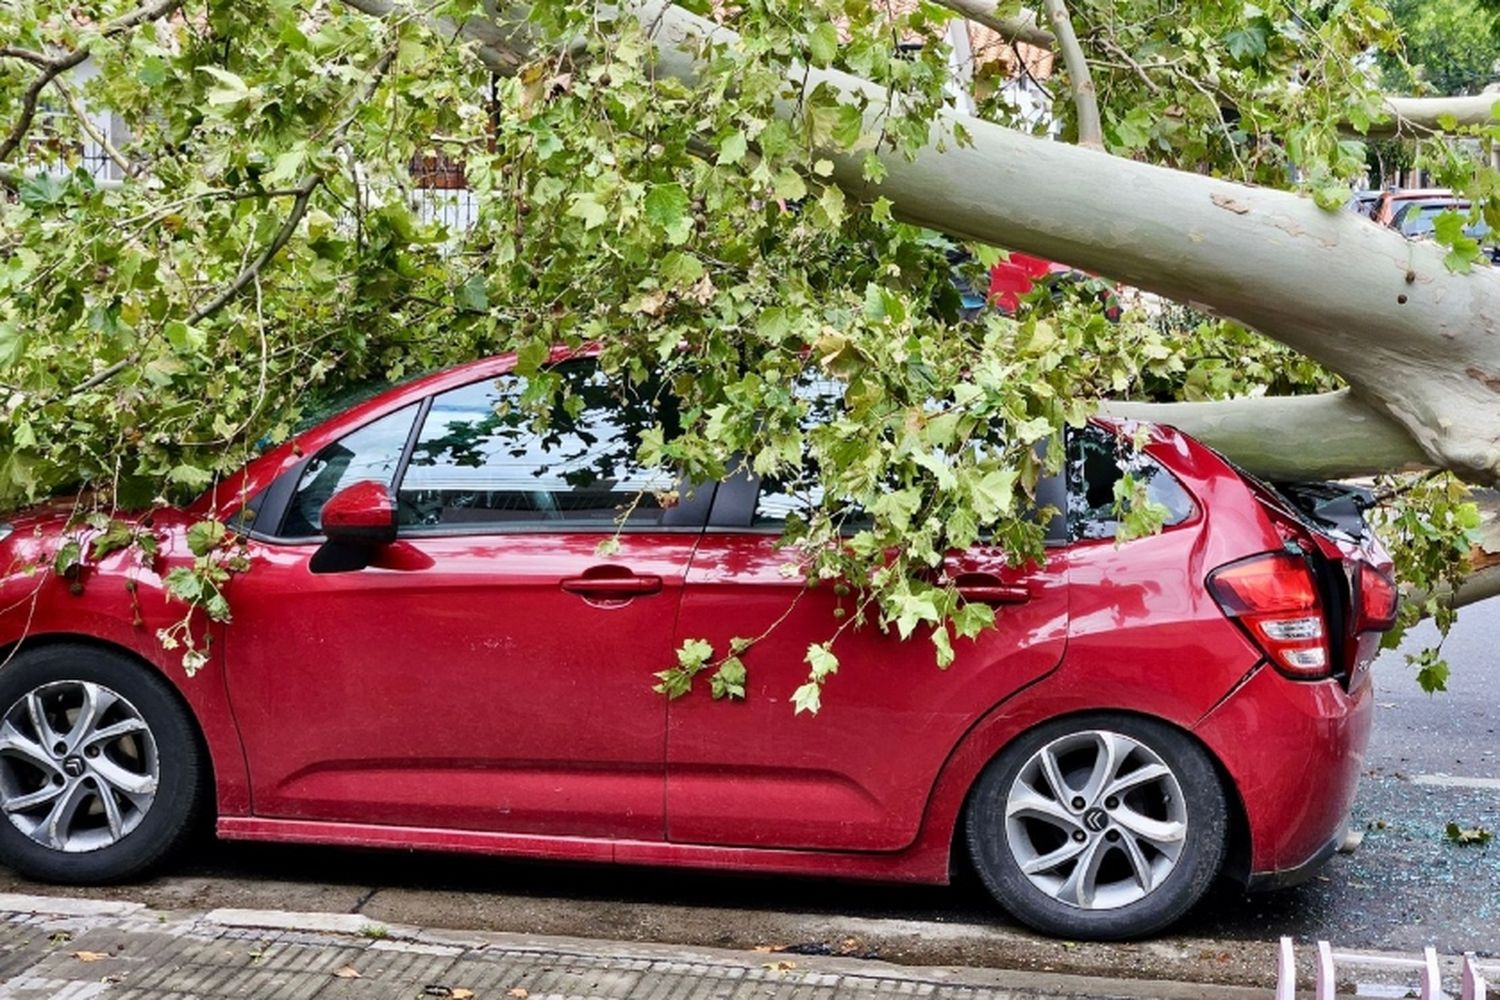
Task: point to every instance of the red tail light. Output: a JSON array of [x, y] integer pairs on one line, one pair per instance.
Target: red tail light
[[1379, 600], [1275, 598]]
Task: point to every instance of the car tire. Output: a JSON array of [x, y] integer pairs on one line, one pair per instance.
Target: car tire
[[1135, 838], [125, 771]]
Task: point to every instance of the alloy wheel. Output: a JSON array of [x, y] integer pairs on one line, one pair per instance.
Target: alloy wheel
[[78, 766], [1096, 820]]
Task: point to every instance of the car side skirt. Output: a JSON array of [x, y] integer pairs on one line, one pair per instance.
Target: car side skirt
[[919, 866]]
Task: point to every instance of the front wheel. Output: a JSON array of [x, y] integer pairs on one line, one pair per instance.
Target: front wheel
[[1098, 827], [101, 774]]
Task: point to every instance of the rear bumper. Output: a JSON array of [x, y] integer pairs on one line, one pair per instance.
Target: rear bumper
[[1285, 878], [1294, 752]]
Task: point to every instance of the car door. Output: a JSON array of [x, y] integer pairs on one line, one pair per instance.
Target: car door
[[492, 669], [856, 777]]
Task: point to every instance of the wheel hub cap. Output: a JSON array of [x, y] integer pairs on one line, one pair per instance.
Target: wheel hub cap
[[78, 766], [1096, 820]]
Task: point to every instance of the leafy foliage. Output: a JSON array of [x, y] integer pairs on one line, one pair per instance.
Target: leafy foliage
[[269, 247]]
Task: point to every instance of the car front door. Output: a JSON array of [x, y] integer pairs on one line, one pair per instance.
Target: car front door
[[492, 669]]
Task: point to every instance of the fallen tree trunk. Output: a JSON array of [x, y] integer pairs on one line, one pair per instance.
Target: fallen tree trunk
[[1331, 435], [1416, 343]]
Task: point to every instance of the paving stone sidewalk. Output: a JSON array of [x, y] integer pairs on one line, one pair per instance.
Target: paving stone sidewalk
[[68, 949]]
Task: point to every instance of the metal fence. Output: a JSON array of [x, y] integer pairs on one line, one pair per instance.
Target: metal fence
[[1427, 970]]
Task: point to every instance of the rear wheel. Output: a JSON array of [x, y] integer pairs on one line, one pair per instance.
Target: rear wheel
[[101, 773], [1099, 827]]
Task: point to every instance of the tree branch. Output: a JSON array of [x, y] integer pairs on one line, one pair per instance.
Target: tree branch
[[1270, 435], [89, 129], [1080, 80], [251, 272], [1423, 113], [501, 50], [1020, 28], [51, 68]]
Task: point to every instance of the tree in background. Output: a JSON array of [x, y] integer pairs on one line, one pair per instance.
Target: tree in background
[[1451, 46]]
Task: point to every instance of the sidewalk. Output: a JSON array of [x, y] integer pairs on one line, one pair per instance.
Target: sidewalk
[[79, 949]]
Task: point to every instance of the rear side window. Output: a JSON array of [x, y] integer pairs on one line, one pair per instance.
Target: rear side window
[[482, 460], [1097, 461], [372, 452]]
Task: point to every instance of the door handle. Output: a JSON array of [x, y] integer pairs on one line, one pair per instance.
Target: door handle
[[981, 588], [612, 586]]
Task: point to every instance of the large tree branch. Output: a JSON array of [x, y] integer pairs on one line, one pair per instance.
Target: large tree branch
[[1332, 435], [1022, 27], [1415, 342], [1432, 114], [500, 49], [1483, 580], [52, 67], [1080, 80]]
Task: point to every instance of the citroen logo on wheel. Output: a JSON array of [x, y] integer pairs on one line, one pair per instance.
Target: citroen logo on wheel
[[1095, 819], [73, 766]]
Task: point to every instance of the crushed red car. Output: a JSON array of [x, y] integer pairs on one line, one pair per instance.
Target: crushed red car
[[430, 651]]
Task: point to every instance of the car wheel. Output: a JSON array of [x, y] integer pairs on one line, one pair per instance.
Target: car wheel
[[101, 771], [1098, 827]]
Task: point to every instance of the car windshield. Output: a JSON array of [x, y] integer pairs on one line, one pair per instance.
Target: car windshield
[[1419, 219]]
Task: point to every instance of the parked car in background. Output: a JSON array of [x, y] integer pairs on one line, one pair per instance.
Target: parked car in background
[[431, 651], [1364, 202], [1416, 220], [1392, 200]]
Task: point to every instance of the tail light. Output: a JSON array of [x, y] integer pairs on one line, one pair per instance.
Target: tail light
[[1275, 599], [1379, 600]]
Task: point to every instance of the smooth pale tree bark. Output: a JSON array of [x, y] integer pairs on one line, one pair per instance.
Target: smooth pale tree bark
[[1331, 435], [1021, 27], [1416, 343]]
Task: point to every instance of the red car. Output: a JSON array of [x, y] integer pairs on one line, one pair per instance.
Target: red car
[[430, 651]]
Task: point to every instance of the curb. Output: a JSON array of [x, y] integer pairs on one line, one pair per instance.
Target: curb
[[403, 937]]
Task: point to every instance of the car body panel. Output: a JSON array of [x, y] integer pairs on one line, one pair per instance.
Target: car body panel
[[473, 692], [118, 600], [743, 774]]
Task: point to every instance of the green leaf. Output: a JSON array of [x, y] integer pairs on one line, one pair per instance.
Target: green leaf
[[229, 88], [115, 536], [183, 584], [729, 680], [821, 660], [69, 557], [732, 148], [205, 536], [823, 44], [668, 207], [191, 476], [473, 296], [41, 190], [789, 185], [849, 125], [586, 206], [807, 698], [1247, 43]]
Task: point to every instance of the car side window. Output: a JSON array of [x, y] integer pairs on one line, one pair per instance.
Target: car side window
[[483, 460], [1097, 460], [372, 452]]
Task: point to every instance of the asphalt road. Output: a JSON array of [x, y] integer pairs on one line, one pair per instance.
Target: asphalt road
[[1433, 760]]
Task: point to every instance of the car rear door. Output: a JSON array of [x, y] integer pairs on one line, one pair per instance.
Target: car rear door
[[857, 776], [492, 669]]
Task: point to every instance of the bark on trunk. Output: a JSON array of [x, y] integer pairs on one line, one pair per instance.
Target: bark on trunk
[[1416, 343], [1328, 436]]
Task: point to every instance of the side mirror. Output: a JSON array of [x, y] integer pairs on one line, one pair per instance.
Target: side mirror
[[363, 513]]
